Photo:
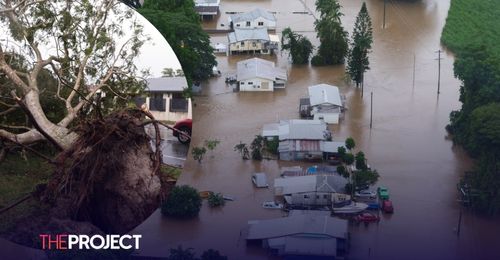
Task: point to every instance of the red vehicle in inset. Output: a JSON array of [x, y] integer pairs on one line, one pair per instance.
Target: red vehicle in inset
[[366, 218], [182, 130], [387, 206]]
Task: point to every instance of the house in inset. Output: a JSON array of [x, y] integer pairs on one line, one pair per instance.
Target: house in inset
[[252, 40], [166, 100], [301, 235], [324, 103], [207, 8], [310, 190], [259, 75], [257, 18]]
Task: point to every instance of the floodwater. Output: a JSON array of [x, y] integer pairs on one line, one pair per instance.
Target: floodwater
[[174, 153], [407, 144]]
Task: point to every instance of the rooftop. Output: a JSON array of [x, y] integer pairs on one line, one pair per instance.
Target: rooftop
[[166, 84], [252, 15], [302, 129], [252, 68], [309, 183], [313, 225], [324, 94], [248, 34]]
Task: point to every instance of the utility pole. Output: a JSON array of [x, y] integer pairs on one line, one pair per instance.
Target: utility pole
[[439, 69], [385, 1], [371, 109], [414, 59]]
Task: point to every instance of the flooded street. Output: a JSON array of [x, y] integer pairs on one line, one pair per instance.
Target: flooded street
[[408, 144]]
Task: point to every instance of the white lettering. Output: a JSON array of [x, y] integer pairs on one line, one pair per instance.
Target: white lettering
[[137, 237], [84, 240], [72, 240], [101, 245]]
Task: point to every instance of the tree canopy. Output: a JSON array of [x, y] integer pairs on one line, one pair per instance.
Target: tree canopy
[[299, 46], [361, 43], [332, 36], [178, 22], [88, 47]]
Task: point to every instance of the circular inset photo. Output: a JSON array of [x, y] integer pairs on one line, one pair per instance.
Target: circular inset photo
[[95, 126]]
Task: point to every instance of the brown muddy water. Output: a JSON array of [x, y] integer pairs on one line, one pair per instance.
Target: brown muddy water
[[408, 144]]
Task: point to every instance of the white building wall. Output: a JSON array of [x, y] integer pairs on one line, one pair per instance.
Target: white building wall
[[170, 116], [256, 84], [257, 23], [250, 45], [329, 118]]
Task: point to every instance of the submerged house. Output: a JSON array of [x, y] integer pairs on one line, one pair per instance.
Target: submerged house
[[257, 18], [324, 103], [301, 235], [259, 75], [166, 100], [310, 190], [207, 8], [298, 139], [252, 40]]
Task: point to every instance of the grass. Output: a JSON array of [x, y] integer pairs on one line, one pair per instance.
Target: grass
[[473, 23], [18, 177]]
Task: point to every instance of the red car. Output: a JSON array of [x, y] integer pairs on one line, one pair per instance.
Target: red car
[[366, 217], [182, 130], [387, 206]]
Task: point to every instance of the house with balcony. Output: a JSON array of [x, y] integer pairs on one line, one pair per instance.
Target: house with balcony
[[166, 100], [252, 41], [257, 18]]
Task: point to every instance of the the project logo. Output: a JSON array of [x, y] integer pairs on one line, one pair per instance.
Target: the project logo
[[67, 241]]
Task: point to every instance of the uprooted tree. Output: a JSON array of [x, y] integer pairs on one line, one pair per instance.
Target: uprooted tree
[[81, 55]]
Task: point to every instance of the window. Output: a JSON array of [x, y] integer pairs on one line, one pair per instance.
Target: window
[[242, 44], [157, 103], [242, 83], [317, 197], [248, 24], [325, 196], [254, 44], [237, 25], [306, 196], [250, 83], [178, 103], [261, 23]]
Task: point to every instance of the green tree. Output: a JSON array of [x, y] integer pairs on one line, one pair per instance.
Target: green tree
[[180, 253], [349, 143], [341, 151], [361, 161], [167, 72], [299, 47], [178, 22], [272, 145], [361, 44], [212, 254], [365, 178], [87, 61], [256, 147], [182, 202], [348, 158], [198, 153], [216, 200], [211, 144], [243, 150], [332, 36]]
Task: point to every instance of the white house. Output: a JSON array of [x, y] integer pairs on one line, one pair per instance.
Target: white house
[[325, 103], [166, 100], [207, 8], [259, 75], [256, 18], [252, 40]]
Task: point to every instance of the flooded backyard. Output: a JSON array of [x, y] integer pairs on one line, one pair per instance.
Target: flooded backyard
[[407, 145]]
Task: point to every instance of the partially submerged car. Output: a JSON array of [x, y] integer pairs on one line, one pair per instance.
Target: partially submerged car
[[182, 130], [383, 193], [366, 218]]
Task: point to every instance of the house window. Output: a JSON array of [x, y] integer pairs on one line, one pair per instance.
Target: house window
[[250, 83], [242, 83], [325, 196], [178, 103], [254, 44], [237, 25], [306, 196], [248, 24], [261, 23], [242, 44], [157, 102], [317, 197]]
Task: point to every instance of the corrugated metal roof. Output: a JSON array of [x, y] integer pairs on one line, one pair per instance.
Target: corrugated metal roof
[[309, 246], [302, 129], [324, 94], [270, 130], [248, 34], [252, 15], [291, 185], [259, 68], [206, 2], [166, 84], [331, 147], [311, 224], [260, 179]]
